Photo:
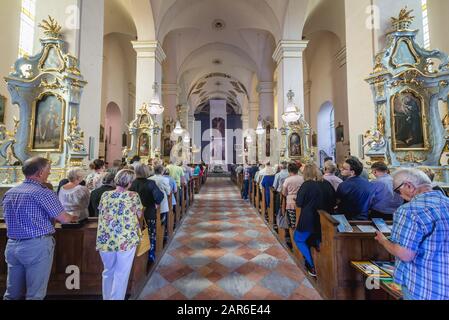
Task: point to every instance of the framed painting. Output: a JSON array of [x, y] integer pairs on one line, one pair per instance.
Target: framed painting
[[144, 145], [2, 109], [168, 145], [408, 116], [101, 134], [124, 140], [47, 123], [268, 141], [340, 132], [295, 146]]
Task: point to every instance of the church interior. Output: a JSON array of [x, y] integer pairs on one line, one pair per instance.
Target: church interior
[[279, 149]]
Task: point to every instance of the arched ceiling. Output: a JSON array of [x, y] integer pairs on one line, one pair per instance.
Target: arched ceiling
[[118, 19]]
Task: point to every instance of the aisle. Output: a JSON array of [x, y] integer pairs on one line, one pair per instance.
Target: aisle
[[224, 250]]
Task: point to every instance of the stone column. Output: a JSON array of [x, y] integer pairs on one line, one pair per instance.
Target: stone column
[[149, 70], [253, 114], [266, 100], [289, 59], [170, 99]]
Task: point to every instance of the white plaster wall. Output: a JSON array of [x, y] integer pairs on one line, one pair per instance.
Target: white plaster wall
[[438, 11], [9, 38], [119, 74]]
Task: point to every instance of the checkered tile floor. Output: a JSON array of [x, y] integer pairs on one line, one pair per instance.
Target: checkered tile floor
[[224, 251]]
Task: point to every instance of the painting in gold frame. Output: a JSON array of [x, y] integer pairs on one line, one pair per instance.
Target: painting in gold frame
[[295, 146], [409, 122], [2, 109], [48, 123], [144, 145]]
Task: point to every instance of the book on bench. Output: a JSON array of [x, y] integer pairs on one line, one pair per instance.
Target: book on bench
[[344, 225]]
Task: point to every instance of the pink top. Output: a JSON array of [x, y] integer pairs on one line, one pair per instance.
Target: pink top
[[290, 190], [333, 179]]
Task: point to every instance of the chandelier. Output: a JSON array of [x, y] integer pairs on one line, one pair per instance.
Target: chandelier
[[178, 129], [156, 107], [291, 112], [260, 130], [249, 139]]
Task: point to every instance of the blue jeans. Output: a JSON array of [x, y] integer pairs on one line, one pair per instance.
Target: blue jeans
[[245, 189], [29, 267], [301, 241]]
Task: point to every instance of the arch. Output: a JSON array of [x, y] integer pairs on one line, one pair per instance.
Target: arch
[[294, 20], [326, 131], [142, 13], [113, 133], [118, 19]]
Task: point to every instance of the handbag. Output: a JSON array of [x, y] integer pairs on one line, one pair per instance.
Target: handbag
[[281, 220], [145, 244]]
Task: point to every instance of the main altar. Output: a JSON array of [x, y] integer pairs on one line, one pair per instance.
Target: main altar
[[47, 89], [410, 86]]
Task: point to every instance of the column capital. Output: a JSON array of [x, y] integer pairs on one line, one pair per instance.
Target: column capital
[[253, 106], [289, 49], [149, 49], [265, 87], [170, 89]]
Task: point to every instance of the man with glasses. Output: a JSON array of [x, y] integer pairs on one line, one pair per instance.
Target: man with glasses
[[355, 193], [420, 238]]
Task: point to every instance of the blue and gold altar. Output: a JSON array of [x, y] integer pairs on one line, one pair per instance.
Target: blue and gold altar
[[47, 89], [408, 83]]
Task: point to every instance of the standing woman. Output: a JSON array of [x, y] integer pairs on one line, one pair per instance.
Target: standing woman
[[95, 179], [315, 194], [75, 197], [118, 234]]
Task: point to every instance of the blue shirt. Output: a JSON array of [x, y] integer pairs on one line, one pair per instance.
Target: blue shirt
[[174, 188], [29, 211], [385, 200], [422, 226], [267, 183], [355, 195]]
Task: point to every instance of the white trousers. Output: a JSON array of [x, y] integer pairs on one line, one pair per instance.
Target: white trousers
[[117, 267]]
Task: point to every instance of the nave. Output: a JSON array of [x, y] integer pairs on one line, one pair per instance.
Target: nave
[[224, 251]]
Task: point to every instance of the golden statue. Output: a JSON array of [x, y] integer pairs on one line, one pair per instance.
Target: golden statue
[[381, 123], [404, 16]]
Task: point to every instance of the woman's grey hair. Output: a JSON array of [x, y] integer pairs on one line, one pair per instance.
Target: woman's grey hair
[[75, 174], [159, 170], [124, 178], [413, 176], [108, 179], [142, 171], [330, 167]]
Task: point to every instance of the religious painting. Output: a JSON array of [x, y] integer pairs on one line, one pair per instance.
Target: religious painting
[[124, 139], [295, 146], [144, 145], [219, 124], [144, 120], [101, 134], [168, 145], [268, 141], [408, 116], [340, 132], [2, 109], [314, 140], [52, 60], [48, 123]]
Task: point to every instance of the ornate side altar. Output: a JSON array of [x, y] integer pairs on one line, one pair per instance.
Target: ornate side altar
[[47, 88], [295, 138], [143, 131], [408, 82]]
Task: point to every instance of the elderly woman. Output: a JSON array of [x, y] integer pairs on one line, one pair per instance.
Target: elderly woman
[[118, 234], [94, 180], [330, 171], [150, 195], [315, 194], [75, 197]]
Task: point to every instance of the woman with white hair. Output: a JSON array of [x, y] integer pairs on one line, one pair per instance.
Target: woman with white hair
[[420, 238], [118, 234], [75, 197]]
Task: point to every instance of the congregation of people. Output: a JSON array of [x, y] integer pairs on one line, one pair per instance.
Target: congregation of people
[[418, 208], [124, 197]]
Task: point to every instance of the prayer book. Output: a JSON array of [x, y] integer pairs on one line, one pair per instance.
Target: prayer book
[[367, 229], [344, 225], [369, 269], [382, 225]]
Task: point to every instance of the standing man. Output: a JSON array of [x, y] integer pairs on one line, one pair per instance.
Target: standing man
[[420, 238], [30, 210]]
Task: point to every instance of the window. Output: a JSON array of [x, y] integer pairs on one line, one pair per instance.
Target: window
[[426, 30], [27, 21]]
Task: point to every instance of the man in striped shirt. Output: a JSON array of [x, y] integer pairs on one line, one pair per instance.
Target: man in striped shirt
[[30, 210], [420, 238]]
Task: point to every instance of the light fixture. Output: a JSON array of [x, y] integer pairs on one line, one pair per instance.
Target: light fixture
[[249, 139], [156, 107], [260, 130], [178, 129], [291, 112], [186, 139]]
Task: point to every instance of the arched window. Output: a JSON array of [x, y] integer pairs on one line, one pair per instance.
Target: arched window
[[27, 23], [425, 20]]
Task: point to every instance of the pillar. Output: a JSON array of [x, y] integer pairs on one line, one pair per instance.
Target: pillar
[[149, 70], [170, 99], [266, 100], [289, 60]]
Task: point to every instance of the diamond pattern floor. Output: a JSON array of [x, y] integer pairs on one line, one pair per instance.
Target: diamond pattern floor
[[224, 251]]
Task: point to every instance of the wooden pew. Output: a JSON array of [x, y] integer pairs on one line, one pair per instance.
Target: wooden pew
[[263, 204], [251, 193], [197, 181], [271, 208], [170, 217], [282, 231], [336, 279], [183, 201], [295, 248], [191, 190], [159, 233], [178, 210], [257, 199]]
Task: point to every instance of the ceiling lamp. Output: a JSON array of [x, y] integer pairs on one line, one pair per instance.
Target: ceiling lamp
[[178, 130], [260, 130], [156, 107], [291, 112]]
